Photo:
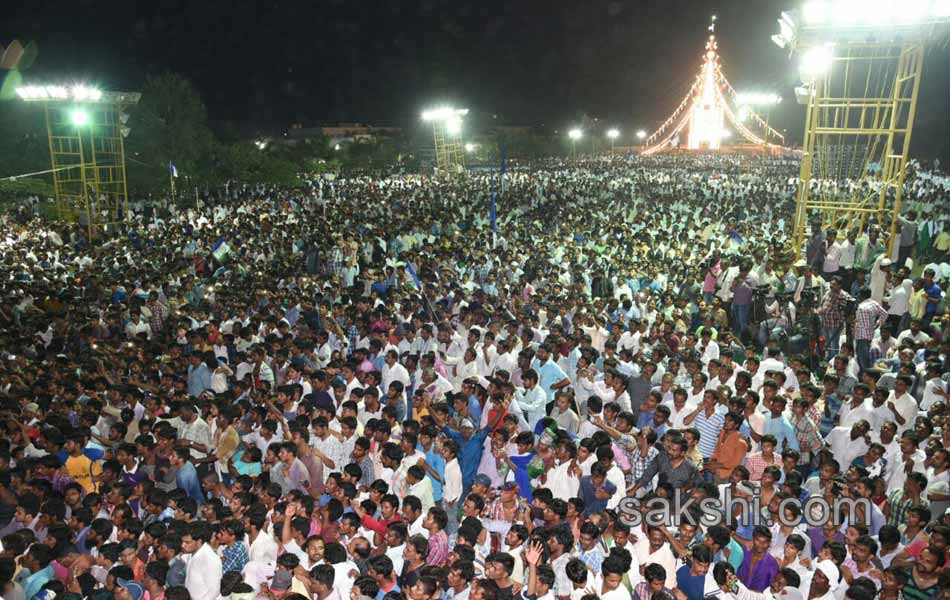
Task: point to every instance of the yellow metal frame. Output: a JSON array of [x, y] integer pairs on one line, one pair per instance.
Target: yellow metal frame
[[89, 176], [859, 115], [449, 152]]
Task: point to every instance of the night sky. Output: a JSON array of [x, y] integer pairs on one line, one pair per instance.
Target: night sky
[[263, 65]]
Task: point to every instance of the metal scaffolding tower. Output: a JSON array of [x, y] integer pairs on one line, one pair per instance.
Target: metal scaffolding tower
[[861, 83], [86, 129]]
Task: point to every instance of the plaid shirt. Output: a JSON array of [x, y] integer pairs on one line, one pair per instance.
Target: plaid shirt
[[234, 557], [869, 317], [756, 463], [438, 549], [900, 504], [832, 310], [157, 322], [639, 464], [592, 559], [808, 435]]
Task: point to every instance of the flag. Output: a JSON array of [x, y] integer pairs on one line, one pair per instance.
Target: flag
[[492, 215], [221, 250], [504, 168], [411, 269], [172, 170]]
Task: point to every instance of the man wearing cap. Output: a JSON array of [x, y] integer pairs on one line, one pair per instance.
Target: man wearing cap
[[879, 274], [823, 581], [128, 590], [470, 447]]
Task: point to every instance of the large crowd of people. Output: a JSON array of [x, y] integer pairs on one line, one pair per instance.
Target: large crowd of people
[[358, 388]]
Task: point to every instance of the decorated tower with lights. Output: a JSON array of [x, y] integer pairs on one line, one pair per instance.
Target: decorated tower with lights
[[706, 117], [705, 111]]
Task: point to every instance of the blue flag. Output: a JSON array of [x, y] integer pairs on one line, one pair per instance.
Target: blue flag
[[504, 168], [491, 211], [172, 170], [412, 273]]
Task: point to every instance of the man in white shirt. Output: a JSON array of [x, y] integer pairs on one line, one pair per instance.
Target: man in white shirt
[[848, 443], [394, 371], [832, 254], [709, 346], [204, 570], [902, 406]]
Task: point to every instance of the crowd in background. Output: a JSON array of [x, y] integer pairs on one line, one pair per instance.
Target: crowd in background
[[361, 389]]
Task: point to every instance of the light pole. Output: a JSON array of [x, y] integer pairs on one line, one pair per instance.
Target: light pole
[[575, 134], [767, 100], [612, 135], [447, 137]]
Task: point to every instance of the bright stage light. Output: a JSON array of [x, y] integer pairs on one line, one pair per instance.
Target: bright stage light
[[444, 113], [641, 134], [613, 134], [336, 147], [816, 61], [725, 134], [575, 134], [470, 148], [453, 126], [912, 11], [941, 9], [76, 93], [743, 113], [757, 99], [816, 12], [82, 93], [79, 117]]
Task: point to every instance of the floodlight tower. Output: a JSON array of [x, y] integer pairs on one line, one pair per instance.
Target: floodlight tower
[[860, 65], [447, 135], [86, 128]]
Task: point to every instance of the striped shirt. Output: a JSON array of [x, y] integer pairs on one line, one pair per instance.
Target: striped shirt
[[869, 316], [709, 428]]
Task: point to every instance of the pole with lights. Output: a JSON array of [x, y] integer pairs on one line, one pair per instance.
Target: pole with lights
[[856, 130], [574, 134], [447, 137], [612, 135], [86, 129]]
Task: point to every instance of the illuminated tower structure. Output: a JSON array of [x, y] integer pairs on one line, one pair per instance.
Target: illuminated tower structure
[[706, 117], [706, 109]]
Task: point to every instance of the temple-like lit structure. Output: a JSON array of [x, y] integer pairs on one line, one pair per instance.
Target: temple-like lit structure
[[706, 110]]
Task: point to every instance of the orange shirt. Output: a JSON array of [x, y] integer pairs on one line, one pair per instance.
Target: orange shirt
[[730, 450]]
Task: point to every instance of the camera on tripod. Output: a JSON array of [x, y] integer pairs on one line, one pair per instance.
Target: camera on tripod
[[809, 296]]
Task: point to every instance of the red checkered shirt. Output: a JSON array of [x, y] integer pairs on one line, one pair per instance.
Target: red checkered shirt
[[869, 317]]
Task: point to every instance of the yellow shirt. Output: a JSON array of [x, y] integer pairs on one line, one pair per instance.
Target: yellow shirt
[[918, 304], [226, 443], [83, 471]]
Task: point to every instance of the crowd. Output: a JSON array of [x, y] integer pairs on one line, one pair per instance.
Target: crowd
[[359, 389]]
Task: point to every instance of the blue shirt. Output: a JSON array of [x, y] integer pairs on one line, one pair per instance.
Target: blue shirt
[[382, 594], [782, 430], [933, 291], [689, 584], [187, 480], [548, 374], [35, 582], [736, 554], [199, 379], [588, 493], [470, 452], [437, 463]]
